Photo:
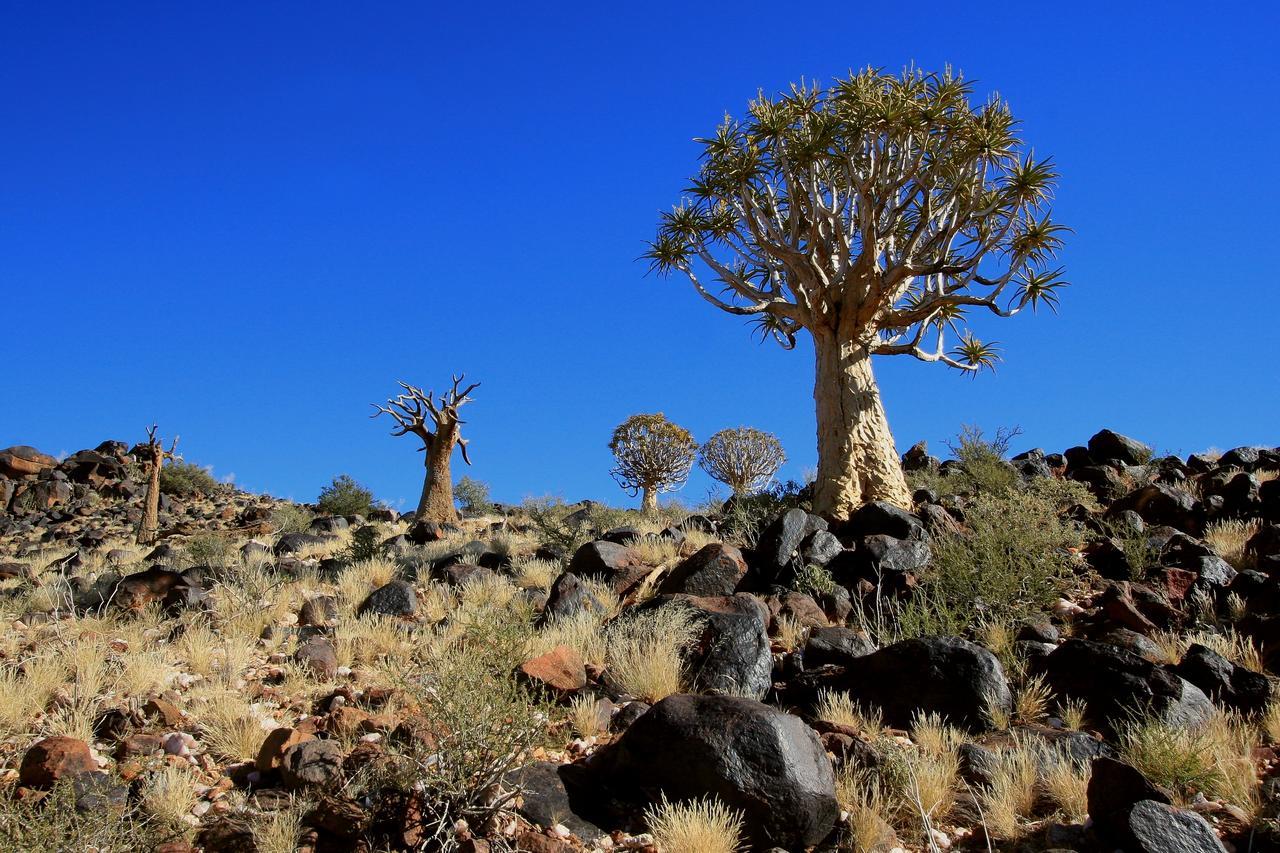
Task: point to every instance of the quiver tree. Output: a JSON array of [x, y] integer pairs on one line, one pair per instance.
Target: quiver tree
[[152, 455], [653, 455], [438, 425], [744, 459], [873, 214]]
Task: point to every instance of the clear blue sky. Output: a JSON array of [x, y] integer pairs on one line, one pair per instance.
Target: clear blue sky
[[245, 221]]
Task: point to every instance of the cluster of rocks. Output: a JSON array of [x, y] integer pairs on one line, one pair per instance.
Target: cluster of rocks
[[748, 736], [93, 496]]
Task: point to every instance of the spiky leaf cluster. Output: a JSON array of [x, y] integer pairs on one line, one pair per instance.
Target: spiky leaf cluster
[[651, 453], [742, 458], [878, 209]]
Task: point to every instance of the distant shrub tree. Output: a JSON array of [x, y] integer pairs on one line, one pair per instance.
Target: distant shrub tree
[[411, 412], [744, 459], [472, 495], [183, 479], [344, 496], [653, 455], [872, 214]]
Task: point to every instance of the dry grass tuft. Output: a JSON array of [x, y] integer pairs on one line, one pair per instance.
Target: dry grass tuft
[[644, 653], [861, 796], [586, 715], [838, 707], [697, 826], [1228, 538], [1031, 700], [170, 796], [1012, 794]]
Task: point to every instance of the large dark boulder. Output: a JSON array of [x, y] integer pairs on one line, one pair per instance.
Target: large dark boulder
[[617, 565], [1114, 789], [947, 675], [293, 543], [880, 517], [1115, 683], [753, 758], [731, 654], [716, 569], [393, 599], [1112, 448], [1158, 503], [562, 794], [567, 598], [777, 550], [1223, 681]]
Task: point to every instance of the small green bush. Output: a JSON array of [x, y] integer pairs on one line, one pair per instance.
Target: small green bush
[[291, 518], [982, 461], [472, 496], [55, 823], [344, 496], [183, 479], [364, 544], [1013, 558]]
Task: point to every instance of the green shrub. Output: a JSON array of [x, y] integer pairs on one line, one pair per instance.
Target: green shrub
[[364, 544], [983, 466], [486, 723], [472, 496], [814, 581], [209, 549], [55, 823], [291, 518], [344, 496], [1012, 560], [183, 479]]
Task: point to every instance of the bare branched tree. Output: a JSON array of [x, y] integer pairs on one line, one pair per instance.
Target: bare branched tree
[[872, 214], [152, 455], [744, 459], [653, 455], [411, 411]]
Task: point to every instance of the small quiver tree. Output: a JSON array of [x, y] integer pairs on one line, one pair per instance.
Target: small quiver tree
[[152, 455], [744, 459], [439, 427], [653, 455]]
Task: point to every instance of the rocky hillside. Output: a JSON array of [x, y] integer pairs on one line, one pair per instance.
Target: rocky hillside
[[1073, 650]]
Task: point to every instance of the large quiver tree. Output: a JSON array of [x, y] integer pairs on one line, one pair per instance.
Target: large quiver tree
[[873, 214], [412, 410]]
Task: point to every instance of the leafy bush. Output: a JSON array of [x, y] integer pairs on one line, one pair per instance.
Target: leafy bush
[[565, 527], [344, 496], [472, 496], [982, 461], [183, 479], [291, 518], [486, 724], [55, 823], [1013, 559], [1010, 562], [364, 544], [210, 549]]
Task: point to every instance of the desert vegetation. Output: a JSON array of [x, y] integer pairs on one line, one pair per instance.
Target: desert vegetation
[[998, 668]]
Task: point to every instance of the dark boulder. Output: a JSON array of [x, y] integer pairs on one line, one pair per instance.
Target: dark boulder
[[947, 675], [393, 599], [836, 646], [777, 550], [731, 655], [617, 565], [1112, 448], [293, 543], [1114, 682], [564, 794], [880, 517], [716, 569], [1223, 681], [765, 763], [1158, 503], [567, 598]]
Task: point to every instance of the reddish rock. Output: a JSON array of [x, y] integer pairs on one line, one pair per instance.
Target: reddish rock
[[535, 842], [273, 748], [164, 711], [560, 669], [141, 744], [1174, 583], [53, 758], [20, 460]]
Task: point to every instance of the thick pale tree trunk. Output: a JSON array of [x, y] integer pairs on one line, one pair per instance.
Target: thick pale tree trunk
[[649, 499], [150, 526], [857, 459], [436, 503]]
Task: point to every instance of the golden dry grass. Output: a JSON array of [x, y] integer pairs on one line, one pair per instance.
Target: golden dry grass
[[696, 826], [1228, 538], [644, 652]]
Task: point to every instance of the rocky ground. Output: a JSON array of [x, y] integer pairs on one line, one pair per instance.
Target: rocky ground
[[1062, 651]]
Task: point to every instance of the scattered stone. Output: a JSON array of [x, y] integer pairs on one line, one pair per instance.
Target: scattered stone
[[560, 669], [54, 758], [396, 598], [311, 764], [716, 569]]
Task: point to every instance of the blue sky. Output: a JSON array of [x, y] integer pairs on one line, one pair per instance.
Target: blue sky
[[245, 221]]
